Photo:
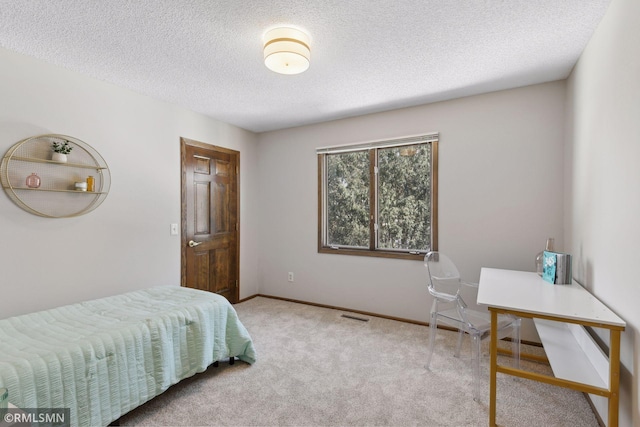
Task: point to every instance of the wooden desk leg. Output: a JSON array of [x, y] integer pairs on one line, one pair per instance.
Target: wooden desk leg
[[494, 368], [614, 377]]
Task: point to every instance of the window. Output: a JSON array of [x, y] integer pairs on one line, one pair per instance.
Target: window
[[379, 199]]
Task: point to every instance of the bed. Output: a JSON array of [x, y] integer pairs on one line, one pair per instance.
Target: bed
[[103, 358]]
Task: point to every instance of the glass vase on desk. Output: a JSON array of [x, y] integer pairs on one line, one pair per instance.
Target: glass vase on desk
[[540, 256]]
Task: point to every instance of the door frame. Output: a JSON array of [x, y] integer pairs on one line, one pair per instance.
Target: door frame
[[184, 142]]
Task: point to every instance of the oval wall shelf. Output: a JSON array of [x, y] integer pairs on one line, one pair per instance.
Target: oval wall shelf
[[56, 195]]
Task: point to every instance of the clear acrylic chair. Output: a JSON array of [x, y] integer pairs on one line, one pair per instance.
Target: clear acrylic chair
[[450, 309]]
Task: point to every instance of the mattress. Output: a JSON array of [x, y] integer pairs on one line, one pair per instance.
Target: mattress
[[103, 358]]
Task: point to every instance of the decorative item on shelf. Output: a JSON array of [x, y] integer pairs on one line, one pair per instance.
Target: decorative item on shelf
[[81, 186], [33, 181], [91, 183], [60, 151], [540, 256]]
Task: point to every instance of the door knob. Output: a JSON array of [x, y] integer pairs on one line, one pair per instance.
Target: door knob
[[193, 244]]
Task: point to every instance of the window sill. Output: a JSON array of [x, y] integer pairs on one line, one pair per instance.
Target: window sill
[[370, 253]]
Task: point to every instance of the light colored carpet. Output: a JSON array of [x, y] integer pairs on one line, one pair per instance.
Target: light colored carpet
[[316, 368]]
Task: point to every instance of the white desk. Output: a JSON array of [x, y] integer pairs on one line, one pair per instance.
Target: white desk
[[525, 294]]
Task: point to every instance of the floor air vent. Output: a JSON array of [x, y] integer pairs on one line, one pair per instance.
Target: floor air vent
[[349, 316]]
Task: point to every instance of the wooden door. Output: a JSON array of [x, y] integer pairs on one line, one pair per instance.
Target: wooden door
[[210, 216]]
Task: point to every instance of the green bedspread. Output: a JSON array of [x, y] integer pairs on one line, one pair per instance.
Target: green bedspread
[[102, 358]]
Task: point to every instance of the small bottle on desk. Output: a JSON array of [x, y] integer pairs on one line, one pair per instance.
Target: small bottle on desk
[[91, 183]]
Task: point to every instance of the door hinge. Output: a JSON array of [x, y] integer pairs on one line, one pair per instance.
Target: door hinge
[[375, 170]]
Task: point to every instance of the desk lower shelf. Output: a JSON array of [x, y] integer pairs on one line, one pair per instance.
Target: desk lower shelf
[[573, 354]]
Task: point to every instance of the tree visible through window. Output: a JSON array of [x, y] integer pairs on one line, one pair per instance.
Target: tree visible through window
[[380, 199], [348, 184]]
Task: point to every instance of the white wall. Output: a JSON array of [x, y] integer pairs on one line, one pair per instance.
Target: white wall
[[500, 187], [603, 181], [125, 243]]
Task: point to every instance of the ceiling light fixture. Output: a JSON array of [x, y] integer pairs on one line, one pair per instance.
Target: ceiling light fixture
[[286, 50]]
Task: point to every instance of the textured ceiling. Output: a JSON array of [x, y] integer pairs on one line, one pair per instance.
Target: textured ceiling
[[366, 55]]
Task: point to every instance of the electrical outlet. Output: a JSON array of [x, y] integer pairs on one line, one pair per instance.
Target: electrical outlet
[[290, 277]]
